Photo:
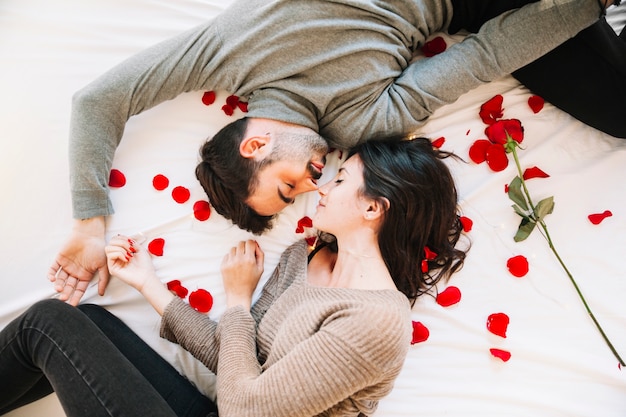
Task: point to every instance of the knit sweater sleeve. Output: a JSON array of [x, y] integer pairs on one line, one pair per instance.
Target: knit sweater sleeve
[[353, 350], [101, 109], [502, 45]]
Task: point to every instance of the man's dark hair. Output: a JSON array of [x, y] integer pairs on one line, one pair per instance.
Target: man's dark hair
[[229, 179]]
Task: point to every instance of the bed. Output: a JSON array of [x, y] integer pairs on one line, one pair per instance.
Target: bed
[[492, 344]]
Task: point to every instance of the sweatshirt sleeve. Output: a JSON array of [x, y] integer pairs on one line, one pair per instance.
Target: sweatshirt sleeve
[[101, 109], [353, 350], [502, 45]]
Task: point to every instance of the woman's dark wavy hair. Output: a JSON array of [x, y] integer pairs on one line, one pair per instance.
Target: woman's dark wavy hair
[[228, 179], [422, 210]]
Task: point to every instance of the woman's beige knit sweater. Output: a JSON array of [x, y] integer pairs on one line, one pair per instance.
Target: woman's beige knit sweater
[[303, 350]]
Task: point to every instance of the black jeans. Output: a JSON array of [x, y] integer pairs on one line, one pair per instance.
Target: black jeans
[[585, 76], [95, 364]]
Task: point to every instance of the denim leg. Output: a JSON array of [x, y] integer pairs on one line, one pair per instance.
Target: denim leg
[[181, 395], [471, 14], [585, 77], [55, 341]]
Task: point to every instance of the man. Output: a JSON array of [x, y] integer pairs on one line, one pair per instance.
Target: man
[[343, 69]]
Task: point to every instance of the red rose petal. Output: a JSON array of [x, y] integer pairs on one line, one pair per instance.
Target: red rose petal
[[243, 106], [496, 157], [536, 103], [492, 110], [497, 323], [208, 98], [506, 188], [478, 151], [116, 178], [155, 247], [501, 354], [202, 210], [306, 221], [429, 254], [180, 194], [597, 218], [438, 143], [497, 132], [534, 172], [228, 110], [420, 333], [311, 240], [518, 266], [232, 101], [449, 296], [201, 300], [467, 223], [424, 266], [160, 182], [434, 46], [176, 287]]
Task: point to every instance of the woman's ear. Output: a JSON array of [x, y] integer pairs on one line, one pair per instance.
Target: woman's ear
[[255, 147], [376, 208]]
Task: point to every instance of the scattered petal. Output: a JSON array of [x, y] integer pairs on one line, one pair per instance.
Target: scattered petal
[[497, 132], [243, 106], [501, 354], [429, 254], [496, 157], [536, 103], [420, 333], [492, 110], [438, 143], [180, 194], [160, 182], [176, 287], [201, 300], [155, 247], [467, 223], [228, 110], [208, 98], [478, 151], [506, 188], [302, 223], [202, 210], [534, 172], [232, 101], [116, 178], [434, 46], [311, 240], [497, 323], [518, 266], [449, 296], [597, 218]]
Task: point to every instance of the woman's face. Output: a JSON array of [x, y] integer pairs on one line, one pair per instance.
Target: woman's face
[[341, 206]]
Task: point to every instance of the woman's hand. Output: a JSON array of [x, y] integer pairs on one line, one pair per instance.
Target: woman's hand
[[241, 270], [133, 265], [129, 262]]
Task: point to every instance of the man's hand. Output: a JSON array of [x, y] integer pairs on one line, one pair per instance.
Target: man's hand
[[80, 258]]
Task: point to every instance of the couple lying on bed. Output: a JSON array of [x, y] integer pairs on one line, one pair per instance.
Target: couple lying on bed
[[328, 336], [298, 88]]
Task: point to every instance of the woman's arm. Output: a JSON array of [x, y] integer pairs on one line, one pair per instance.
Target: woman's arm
[[353, 350]]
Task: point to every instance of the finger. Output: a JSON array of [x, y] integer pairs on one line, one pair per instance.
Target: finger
[[260, 256], [60, 280], [77, 294], [53, 271], [103, 279], [68, 288]]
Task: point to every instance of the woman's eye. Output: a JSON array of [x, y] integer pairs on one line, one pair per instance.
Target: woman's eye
[[338, 181], [290, 185]]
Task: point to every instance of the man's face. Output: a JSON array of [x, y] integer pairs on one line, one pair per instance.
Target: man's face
[[295, 165]]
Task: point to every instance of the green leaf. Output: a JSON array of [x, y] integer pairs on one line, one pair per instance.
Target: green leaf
[[526, 227], [516, 194], [523, 214], [544, 207]]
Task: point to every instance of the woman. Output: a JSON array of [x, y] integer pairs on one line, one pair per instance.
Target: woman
[[328, 335]]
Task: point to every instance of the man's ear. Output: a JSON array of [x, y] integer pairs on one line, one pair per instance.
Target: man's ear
[[255, 147], [376, 208]]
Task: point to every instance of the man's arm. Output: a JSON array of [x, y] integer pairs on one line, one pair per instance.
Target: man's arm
[[99, 114]]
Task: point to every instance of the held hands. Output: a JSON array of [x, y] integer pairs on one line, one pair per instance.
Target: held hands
[[79, 259], [120, 251], [242, 268]]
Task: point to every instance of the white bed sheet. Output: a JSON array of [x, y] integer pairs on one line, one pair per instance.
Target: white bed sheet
[[560, 366]]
